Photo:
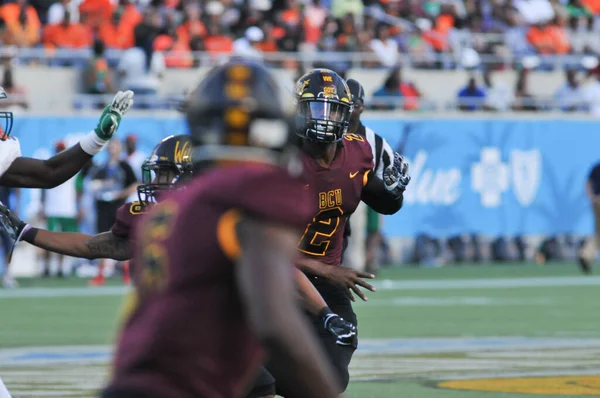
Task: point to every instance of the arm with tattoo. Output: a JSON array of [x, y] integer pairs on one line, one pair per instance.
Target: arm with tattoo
[[105, 245]]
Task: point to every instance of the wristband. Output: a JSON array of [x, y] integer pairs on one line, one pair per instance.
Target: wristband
[[92, 144], [325, 311], [28, 234]]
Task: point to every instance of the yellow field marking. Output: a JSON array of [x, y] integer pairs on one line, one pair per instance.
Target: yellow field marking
[[565, 385]]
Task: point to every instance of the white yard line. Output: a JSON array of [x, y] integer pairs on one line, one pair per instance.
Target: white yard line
[[458, 301], [449, 284], [63, 292], [502, 283]]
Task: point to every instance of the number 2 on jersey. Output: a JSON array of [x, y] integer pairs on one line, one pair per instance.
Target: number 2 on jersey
[[323, 226]]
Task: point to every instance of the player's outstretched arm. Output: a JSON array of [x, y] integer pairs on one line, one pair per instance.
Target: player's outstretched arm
[[106, 245], [35, 173], [266, 283]]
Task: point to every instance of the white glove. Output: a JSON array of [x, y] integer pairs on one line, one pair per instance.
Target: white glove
[[111, 115], [108, 123], [395, 176]]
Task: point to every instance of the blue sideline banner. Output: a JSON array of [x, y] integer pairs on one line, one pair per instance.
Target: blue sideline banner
[[495, 177], [490, 176]]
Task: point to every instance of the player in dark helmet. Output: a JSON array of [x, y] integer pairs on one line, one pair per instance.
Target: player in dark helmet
[[169, 165], [215, 277], [324, 106], [338, 168]]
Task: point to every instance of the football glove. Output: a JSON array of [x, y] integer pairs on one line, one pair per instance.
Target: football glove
[[11, 223], [342, 330], [112, 114], [395, 176]]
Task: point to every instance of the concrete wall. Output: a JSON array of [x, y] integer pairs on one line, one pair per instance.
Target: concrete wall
[[51, 89]]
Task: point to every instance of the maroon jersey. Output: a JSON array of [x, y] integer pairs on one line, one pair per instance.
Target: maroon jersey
[[126, 217], [189, 335], [336, 193]]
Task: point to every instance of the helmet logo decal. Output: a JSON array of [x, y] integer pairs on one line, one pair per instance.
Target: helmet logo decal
[[182, 153], [327, 78], [329, 92], [301, 86]]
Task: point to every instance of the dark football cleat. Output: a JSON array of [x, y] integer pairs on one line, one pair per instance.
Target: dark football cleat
[[584, 265]]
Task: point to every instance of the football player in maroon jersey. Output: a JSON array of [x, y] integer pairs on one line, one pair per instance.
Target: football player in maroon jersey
[[214, 273], [338, 168]]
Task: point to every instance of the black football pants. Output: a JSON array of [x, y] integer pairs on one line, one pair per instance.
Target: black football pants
[[270, 380]]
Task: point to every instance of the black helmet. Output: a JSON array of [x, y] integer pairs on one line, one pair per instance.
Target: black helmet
[[238, 113], [357, 91], [6, 119], [169, 164], [324, 106]]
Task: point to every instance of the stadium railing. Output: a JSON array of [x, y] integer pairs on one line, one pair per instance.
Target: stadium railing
[[307, 59], [384, 104]]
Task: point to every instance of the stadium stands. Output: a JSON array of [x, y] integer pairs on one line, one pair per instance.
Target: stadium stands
[[434, 41]]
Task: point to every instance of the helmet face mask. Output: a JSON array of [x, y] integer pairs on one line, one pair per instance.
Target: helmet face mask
[[169, 165], [6, 119], [324, 106], [156, 178], [324, 121]]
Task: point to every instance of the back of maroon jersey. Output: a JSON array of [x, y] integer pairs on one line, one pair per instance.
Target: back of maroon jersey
[[335, 193], [189, 335]]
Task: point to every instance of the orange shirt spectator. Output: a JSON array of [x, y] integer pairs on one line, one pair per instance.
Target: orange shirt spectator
[[291, 16], [268, 46], [23, 28], [96, 12], [192, 25], [191, 29], [411, 96], [67, 35], [130, 17], [177, 51], [559, 39], [541, 38], [436, 39], [218, 44], [444, 22], [593, 6], [118, 33], [312, 33]]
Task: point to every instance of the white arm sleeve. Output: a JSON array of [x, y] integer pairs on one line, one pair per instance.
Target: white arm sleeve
[[9, 151], [387, 157], [383, 154]]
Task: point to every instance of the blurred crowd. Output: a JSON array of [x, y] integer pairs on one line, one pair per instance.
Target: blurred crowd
[[385, 28]]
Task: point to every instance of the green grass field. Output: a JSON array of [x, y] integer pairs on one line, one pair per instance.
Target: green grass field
[[458, 332]]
